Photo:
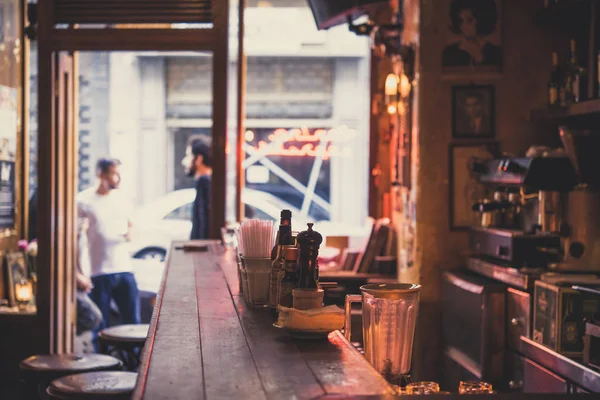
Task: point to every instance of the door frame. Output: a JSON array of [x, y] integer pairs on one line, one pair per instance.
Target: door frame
[[54, 222]]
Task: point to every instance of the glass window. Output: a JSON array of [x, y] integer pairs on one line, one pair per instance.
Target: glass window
[[307, 114], [311, 86]]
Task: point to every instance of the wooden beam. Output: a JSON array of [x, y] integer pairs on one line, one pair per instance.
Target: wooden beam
[[241, 111], [46, 200], [373, 139], [137, 39], [219, 128], [24, 142]]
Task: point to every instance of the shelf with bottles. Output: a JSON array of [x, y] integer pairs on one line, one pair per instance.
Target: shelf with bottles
[[564, 14], [573, 87]]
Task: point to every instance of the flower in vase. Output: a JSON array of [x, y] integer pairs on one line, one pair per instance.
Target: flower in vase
[[22, 245], [32, 249]]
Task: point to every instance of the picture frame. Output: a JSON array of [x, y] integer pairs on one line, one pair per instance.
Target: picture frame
[[473, 111], [474, 44], [16, 268], [464, 188]]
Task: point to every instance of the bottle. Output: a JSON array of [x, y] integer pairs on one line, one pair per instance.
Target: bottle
[[308, 251], [284, 233], [288, 278], [284, 238], [573, 76], [555, 82], [570, 338]]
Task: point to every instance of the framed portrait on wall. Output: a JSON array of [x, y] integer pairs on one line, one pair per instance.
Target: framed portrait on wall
[[473, 112], [465, 189], [474, 32]]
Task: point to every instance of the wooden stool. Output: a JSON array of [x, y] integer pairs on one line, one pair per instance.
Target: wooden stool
[[38, 371], [93, 385], [125, 342]]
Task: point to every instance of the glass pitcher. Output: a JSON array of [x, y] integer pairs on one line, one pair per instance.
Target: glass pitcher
[[389, 316]]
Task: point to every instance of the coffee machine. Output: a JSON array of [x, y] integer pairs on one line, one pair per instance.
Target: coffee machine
[[550, 214], [520, 225]]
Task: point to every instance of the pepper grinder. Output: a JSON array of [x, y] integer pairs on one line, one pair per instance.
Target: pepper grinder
[[308, 293]]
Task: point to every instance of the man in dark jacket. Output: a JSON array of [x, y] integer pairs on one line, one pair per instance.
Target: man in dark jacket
[[197, 163]]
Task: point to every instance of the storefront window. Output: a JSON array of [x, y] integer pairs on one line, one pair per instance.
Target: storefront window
[[307, 121], [307, 111]]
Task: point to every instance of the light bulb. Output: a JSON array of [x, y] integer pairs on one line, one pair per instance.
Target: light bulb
[[391, 85], [405, 86], [401, 108]]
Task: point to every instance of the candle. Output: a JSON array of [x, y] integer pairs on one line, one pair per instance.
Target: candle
[[23, 291]]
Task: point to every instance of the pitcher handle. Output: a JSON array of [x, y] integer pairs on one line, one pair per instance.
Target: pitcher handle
[[350, 298]]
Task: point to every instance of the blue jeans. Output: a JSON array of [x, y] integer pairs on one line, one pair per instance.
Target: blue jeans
[[121, 287]]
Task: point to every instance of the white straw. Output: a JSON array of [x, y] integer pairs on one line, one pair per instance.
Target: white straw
[[255, 238]]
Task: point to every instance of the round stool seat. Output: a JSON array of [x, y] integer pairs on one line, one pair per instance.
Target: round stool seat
[[47, 367], [131, 334], [94, 385], [125, 342]]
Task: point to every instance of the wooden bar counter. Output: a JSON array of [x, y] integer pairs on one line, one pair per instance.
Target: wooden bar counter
[[205, 343]]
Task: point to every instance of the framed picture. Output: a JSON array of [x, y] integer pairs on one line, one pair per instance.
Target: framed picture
[[465, 189], [474, 36], [473, 111], [16, 269]]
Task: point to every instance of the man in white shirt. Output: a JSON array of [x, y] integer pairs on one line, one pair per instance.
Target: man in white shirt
[[105, 212]]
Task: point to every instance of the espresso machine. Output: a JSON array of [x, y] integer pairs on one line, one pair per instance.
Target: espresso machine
[[545, 211], [520, 224]]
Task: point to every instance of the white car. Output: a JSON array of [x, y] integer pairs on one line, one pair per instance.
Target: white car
[[168, 219]]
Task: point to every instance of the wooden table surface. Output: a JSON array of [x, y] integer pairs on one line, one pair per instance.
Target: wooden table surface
[[205, 343]]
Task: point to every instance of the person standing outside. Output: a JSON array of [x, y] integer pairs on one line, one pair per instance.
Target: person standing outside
[[104, 211], [198, 164]]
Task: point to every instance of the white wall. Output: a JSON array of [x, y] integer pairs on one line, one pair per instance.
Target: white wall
[[124, 122]]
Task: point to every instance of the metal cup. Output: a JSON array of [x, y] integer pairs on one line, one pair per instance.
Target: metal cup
[[389, 316]]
